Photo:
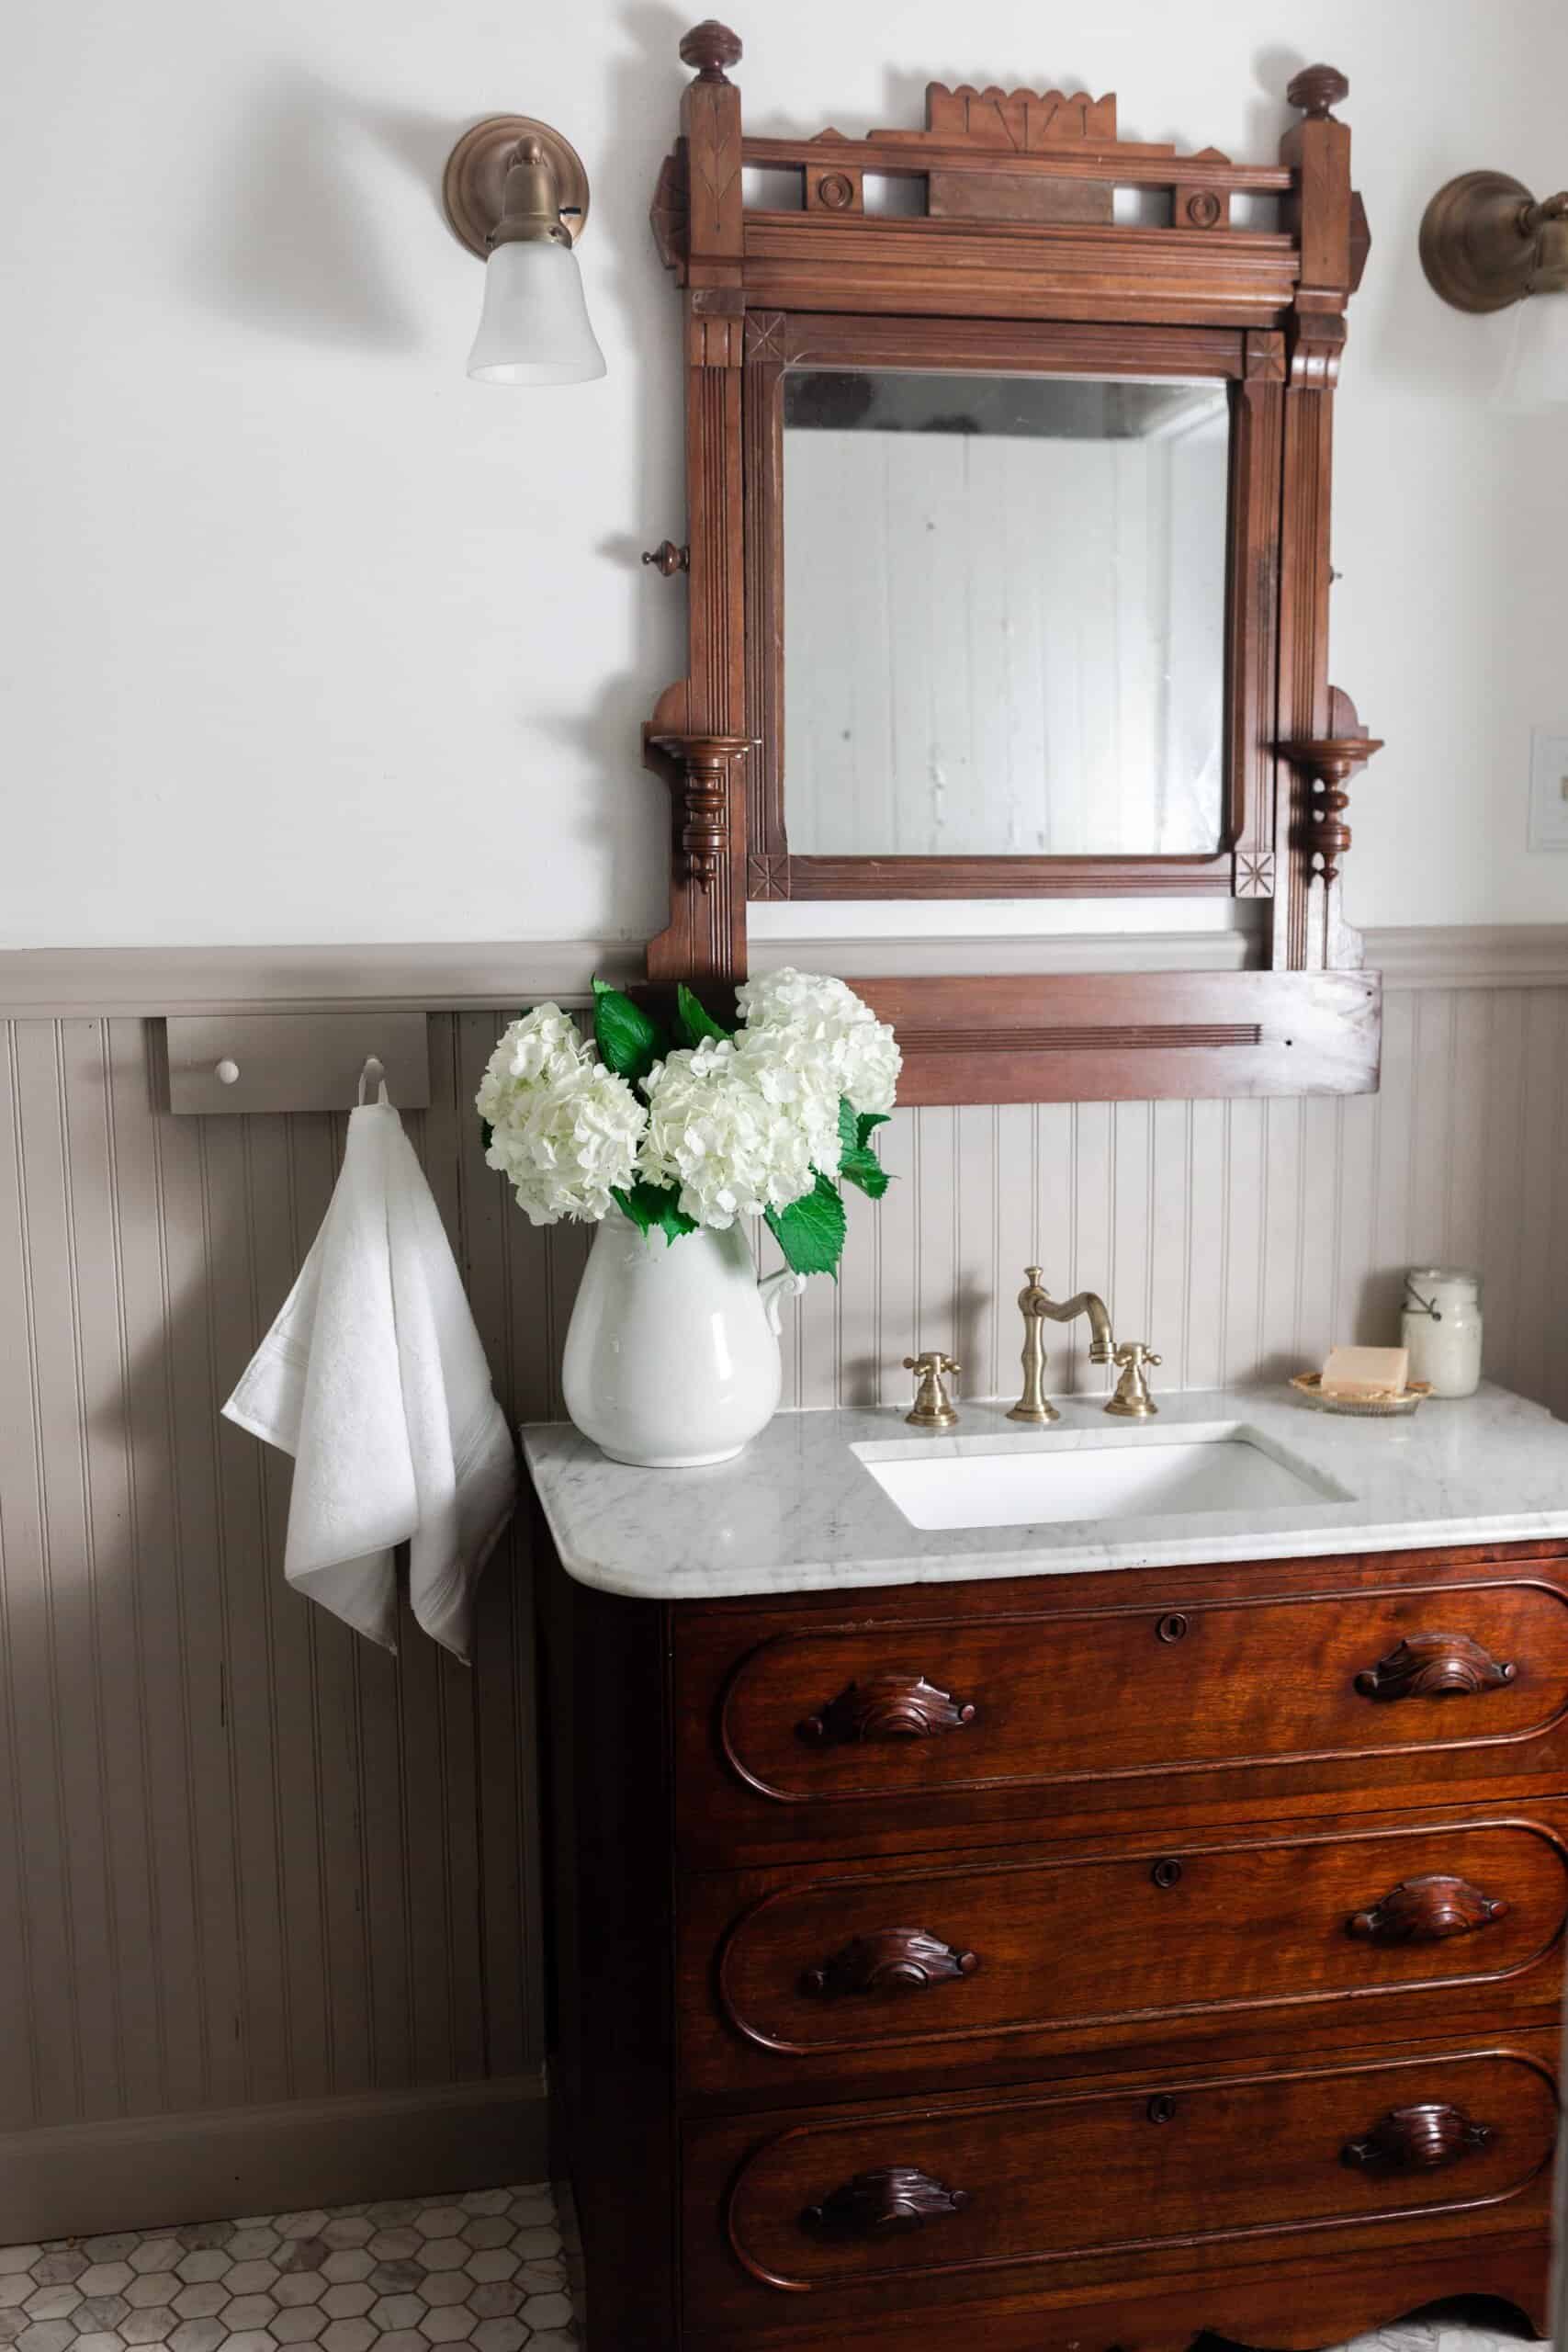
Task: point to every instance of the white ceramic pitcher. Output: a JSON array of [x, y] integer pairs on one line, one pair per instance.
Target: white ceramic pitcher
[[673, 1353]]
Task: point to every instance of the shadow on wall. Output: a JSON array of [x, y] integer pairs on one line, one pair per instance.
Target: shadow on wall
[[1269, 114], [643, 99], [291, 238]]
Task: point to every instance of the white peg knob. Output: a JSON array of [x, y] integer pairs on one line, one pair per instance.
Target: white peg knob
[[227, 1072]]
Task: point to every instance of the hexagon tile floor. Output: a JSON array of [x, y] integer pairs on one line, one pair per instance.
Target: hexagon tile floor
[[485, 2269]]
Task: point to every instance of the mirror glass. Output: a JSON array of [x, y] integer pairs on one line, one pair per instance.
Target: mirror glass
[[1004, 614]]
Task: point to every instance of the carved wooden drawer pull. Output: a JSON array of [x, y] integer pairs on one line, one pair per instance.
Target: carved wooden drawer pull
[[1434, 1666], [874, 2204], [890, 1706], [895, 1960], [1417, 2138], [1426, 1911]]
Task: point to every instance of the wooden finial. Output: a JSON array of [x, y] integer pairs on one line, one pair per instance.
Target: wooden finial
[[710, 46], [1317, 89]]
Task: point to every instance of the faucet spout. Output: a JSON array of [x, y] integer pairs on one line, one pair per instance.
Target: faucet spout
[[1101, 1344]]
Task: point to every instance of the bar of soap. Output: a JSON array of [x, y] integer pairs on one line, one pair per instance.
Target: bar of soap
[[1366, 1373]]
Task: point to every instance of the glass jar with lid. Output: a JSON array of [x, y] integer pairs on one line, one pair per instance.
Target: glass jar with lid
[[1440, 1325]]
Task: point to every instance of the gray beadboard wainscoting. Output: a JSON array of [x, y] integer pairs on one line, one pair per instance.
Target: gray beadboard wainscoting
[[269, 1924]]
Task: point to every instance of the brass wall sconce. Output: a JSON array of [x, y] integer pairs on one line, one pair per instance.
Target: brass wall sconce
[[515, 194], [1488, 245]]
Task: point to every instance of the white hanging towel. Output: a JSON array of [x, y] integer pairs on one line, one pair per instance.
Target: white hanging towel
[[374, 1378]]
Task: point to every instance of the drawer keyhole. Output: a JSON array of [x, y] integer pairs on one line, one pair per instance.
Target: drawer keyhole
[[1161, 2107], [1166, 1873], [1172, 1628]]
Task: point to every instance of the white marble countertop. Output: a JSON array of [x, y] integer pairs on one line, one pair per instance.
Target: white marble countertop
[[800, 1512]]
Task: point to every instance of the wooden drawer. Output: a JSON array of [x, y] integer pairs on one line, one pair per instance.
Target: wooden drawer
[[842, 2216], [793, 1981], [937, 1712]]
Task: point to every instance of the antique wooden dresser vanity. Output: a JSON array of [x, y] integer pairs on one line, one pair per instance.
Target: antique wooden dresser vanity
[[1034, 1964], [1081, 1961]]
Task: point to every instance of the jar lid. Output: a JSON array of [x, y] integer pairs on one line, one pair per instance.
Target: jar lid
[[1423, 1285]]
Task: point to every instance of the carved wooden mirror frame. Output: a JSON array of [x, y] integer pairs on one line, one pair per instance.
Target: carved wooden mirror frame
[[1017, 264]]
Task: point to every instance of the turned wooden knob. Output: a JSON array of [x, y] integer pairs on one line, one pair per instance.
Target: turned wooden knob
[[1317, 89], [710, 46]]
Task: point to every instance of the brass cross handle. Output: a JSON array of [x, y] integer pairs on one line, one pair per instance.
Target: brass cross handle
[[1132, 1401], [933, 1406]]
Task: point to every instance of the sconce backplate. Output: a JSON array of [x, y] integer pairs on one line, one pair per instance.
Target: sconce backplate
[[1472, 248], [475, 178]]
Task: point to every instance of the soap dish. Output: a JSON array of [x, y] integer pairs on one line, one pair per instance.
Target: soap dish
[[1309, 1384]]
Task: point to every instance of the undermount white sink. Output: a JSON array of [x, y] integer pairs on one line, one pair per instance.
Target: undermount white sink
[[1031, 1481]]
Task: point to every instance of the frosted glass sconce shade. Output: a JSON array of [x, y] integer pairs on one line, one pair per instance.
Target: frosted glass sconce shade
[[517, 195], [1535, 374], [534, 327]]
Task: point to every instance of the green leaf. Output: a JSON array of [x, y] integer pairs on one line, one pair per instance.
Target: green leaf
[[848, 1126], [810, 1232], [864, 1169], [858, 1164], [654, 1208], [629, 1044], [693, 1021]]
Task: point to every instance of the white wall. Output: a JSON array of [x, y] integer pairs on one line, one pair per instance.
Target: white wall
[[307, 639]]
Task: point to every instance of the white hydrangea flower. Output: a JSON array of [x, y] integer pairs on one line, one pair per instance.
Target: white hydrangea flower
[[794, 1078], [566, 1141], [829, 1028], [715, 1130], [543, 1045]]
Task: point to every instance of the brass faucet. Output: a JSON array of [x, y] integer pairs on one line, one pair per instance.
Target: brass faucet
[[1037, 1305], [933, 1406]]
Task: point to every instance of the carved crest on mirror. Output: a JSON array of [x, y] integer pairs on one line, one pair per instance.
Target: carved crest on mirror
[[1007, 551]]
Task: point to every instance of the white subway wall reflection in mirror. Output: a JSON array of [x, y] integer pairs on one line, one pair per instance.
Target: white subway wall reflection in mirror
[[1005, 599]]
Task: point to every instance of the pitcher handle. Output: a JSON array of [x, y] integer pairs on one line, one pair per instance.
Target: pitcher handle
[[773, 1289]]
